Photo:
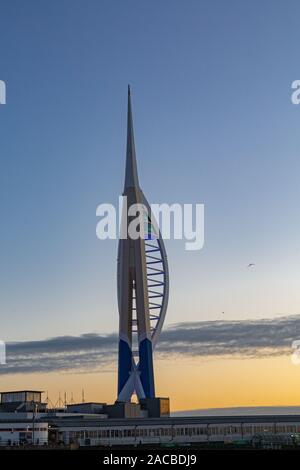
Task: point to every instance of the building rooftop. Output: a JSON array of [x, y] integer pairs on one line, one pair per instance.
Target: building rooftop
[[170, 421], [22, 391]]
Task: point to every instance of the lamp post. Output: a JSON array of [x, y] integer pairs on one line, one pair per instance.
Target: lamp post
[[35, 405]]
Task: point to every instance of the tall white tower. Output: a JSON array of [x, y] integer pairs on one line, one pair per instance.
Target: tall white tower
[[143, 288]]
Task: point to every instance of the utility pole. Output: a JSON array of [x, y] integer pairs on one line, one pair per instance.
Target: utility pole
[[35, 405]]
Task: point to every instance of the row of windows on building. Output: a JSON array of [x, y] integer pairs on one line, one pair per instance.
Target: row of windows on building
[[183, 431], [12, 430], [20, 397]]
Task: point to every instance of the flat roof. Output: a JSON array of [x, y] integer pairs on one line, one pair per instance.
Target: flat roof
[[169, 421], [87, 403], [23, 391]]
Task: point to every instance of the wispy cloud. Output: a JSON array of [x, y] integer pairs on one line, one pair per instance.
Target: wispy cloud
[[250, 338], [83, 353], [91, 352]]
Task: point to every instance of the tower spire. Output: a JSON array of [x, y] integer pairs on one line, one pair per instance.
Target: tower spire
[[131, 174]]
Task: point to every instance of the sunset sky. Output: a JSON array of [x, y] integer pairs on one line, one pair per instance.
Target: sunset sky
[[214, 124]]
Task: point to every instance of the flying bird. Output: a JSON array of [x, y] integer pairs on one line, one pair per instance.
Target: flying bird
[[250, 265]]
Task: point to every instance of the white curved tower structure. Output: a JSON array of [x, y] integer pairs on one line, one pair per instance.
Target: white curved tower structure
[[143, 289]]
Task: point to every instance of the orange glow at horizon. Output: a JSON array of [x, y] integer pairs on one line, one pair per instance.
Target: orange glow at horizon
[[190, 383]]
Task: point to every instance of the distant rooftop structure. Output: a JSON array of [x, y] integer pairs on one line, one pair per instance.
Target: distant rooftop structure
[[21, 396], [86, 407], [22, 401]]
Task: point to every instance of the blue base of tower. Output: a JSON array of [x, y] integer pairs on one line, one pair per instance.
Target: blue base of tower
[[125, 364], [146, 368]]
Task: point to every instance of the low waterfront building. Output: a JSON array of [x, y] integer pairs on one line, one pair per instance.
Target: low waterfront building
[[102, 425]]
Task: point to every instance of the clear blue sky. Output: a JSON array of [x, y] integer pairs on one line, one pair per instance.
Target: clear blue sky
[[214, 124]]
